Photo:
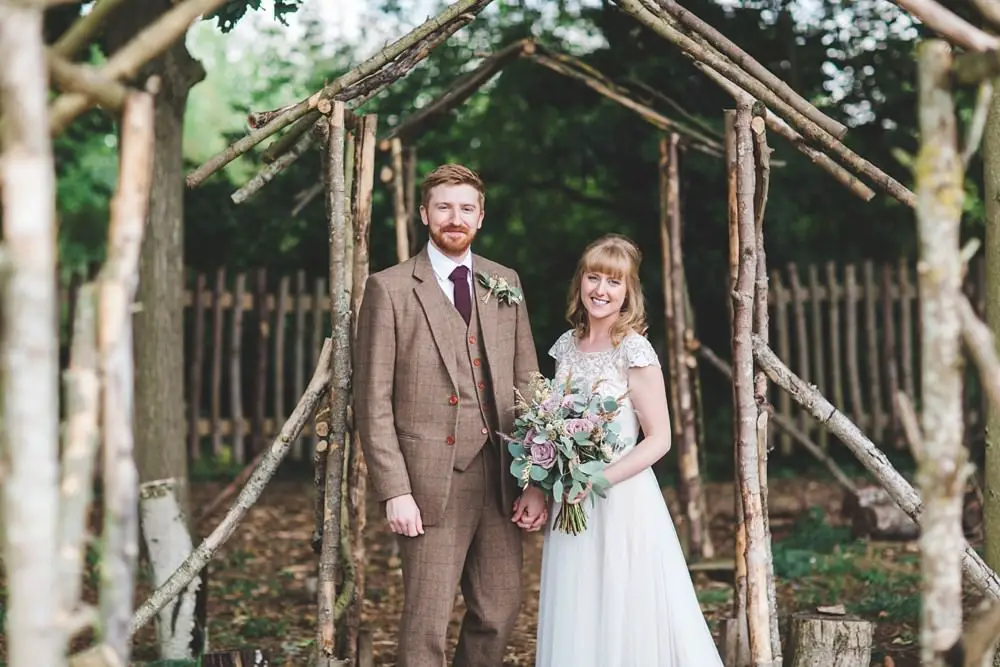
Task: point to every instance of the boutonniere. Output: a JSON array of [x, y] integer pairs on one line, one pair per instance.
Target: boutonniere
[[505, 292]]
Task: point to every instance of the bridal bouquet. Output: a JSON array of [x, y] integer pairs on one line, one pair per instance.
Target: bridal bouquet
[[563, 439]]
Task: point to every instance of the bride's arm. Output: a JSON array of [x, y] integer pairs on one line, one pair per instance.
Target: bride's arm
[[649, 398]]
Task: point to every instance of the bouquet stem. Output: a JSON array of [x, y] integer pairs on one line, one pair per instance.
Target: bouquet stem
[[571, 519]]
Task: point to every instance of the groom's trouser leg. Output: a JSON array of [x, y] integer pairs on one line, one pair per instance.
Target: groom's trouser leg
[[432, 568], [491, 582]]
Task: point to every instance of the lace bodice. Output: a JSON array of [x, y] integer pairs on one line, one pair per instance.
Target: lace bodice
[[606, 372]]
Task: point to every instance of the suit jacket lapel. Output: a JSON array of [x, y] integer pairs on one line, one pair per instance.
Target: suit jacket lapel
[[435, 305], [489, 319]]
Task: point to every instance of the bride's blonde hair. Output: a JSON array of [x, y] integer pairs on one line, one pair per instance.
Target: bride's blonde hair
[[619, 257]]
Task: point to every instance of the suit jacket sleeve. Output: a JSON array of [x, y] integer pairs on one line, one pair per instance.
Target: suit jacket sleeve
[[525, 356], [374, 368]]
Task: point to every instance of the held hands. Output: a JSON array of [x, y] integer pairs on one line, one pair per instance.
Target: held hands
[[530, 510], [404, 516]]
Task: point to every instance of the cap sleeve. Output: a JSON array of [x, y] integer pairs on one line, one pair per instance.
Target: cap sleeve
[[639, 352], [561, 346]]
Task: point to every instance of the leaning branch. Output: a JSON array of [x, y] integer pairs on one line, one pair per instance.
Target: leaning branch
[[778, 126], [982, 347], [460, 91], [269, 171], [813, 132], [568, 66], [439, 23], [248, 496], [945, 22], [71, 42], [870, 456], [125, 63], [85, 80], [744, 60]]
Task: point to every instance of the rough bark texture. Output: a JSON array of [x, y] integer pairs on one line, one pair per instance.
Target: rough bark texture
[[991, 198], [30, 353], [737, 639], [159, 334], [831, 641], [194, 563], [758, 609], [357, 474], [338, 397], [870, 456], [117, 289], [942, 469]]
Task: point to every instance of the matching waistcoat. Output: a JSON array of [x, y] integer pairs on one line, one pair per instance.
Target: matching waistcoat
[[477, 420]]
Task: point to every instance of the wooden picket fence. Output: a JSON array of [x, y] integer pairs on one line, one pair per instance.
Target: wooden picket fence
[[251, 342], [853, 331]]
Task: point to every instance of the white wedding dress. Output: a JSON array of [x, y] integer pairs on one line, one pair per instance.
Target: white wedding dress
[[618, 594]]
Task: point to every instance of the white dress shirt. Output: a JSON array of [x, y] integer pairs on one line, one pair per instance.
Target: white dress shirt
[[443, 265]]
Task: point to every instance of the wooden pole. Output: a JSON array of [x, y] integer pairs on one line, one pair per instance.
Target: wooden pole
[[357, 470], [691, 492], [340, 383], [737, 639], [758, 609], [399, 201], [761, 327], [942, 467]]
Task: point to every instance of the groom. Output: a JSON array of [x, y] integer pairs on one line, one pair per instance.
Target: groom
[[437, 358]]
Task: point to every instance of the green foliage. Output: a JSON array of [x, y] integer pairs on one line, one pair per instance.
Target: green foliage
[[229, 14]]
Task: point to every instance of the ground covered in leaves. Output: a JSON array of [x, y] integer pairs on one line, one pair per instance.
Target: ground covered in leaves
[[261, 591]]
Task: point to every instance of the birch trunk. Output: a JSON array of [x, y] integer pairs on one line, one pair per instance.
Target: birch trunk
[[758, 614], [30, 353], [941, 458], [340, 385]]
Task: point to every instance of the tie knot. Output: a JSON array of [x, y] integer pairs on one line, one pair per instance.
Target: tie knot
[[460, 273]]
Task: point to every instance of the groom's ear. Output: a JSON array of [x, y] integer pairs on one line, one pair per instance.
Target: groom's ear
[[423, 214]]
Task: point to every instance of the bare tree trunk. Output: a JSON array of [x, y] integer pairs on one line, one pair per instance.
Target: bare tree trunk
[[340, 383], [991, 181], [941, 458], [758, 609], [159, 334], [30, 353]]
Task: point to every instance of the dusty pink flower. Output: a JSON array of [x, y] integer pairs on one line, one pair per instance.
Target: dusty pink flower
[[550, 403], [579, 426], [543, 454]]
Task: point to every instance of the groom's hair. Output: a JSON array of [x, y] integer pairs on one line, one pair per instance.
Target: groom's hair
[[452, 174]]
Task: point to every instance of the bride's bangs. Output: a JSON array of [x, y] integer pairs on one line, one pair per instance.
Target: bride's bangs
[[609, 260]]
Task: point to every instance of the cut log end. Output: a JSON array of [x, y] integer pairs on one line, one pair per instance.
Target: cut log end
[[874, 515], [832, 641]]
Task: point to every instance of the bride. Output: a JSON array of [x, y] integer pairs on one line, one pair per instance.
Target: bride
[[619, 594]]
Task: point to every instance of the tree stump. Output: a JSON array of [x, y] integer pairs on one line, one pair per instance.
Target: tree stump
[[820, 640], [246, 657]]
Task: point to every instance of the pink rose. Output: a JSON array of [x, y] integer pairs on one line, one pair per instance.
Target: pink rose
[[550, 403], [569, 399], [579, 426], [543, 454]]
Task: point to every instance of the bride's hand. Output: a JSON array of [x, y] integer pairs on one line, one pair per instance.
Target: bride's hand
[[580, 496]]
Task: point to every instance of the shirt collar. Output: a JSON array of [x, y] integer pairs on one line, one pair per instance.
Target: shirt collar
[[442, 264]]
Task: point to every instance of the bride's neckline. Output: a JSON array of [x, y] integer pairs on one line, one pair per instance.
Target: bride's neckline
[[576, 346]]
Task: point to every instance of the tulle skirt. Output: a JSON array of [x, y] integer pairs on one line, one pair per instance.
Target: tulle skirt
[[620, 594]]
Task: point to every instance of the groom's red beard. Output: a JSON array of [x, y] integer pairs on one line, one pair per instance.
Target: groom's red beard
[[447, 238]]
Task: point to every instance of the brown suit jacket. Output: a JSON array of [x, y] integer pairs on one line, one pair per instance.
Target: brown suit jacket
[[403, 379]]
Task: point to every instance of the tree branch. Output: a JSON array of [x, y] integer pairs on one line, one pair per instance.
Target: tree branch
[[86, 80], [982, 347], [778, 126], [85, 28], [269, 171], [711, 58], [451, 17], [117, 286], [870, 456], [460, 91], [744, 60], [125, 63], [248, 495], [948, 24], [990, 9]]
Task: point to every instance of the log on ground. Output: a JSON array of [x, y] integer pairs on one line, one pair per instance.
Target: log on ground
[[831, 641], [875, 515]]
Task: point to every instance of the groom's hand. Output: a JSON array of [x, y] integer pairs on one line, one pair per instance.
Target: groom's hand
[[404, 516], [530, 510]]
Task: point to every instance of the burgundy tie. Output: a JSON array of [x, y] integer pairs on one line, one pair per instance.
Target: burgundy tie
[[463, 300]]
